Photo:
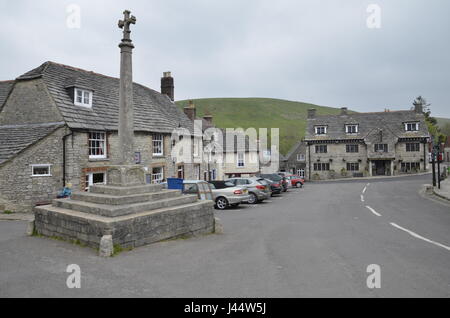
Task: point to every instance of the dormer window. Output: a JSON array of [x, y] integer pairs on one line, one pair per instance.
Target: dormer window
[[83, 98], [351, 129], [412, 126], [321, 130]]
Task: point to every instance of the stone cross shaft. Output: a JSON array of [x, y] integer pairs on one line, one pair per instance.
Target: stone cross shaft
[[125, 25], [126, 109]]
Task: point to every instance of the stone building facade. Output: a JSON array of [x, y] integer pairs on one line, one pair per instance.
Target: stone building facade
[[366, 144], [295, 161], [58, 126]]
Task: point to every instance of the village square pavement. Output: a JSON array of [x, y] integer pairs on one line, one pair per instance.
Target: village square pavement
[[311, 242]]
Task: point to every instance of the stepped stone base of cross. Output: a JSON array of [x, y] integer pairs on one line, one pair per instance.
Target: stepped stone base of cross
[[126, 175]]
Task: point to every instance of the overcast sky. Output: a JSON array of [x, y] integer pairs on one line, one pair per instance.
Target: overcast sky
[[317, 51]]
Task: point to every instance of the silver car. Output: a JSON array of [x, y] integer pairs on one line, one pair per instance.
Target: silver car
[[227, 195], [258, 190]]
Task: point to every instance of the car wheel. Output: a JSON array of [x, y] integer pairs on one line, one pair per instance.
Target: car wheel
[[299, 185], [221, 203], [253, 198]]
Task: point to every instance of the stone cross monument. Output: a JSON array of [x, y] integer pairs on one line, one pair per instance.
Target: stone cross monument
[[126, 111], [126, 211], [127, 172]]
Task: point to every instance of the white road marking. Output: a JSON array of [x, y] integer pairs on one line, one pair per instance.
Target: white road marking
[[373, 211], [362, 198], [420, 237], [364, 190]]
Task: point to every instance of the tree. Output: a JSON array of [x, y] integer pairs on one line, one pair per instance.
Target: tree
[[431, 121], [446, 129]]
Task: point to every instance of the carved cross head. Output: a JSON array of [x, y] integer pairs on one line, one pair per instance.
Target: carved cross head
[[125, 24]]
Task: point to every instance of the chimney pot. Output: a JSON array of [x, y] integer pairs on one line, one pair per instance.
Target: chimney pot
[[190, 111], [208, 119], [167, 85]]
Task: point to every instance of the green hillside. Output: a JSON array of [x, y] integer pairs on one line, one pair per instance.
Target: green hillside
[[289, 116], [444, 125]]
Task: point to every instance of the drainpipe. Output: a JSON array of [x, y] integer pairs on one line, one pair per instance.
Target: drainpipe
[[425, 159], [64, 157], [309, 161]]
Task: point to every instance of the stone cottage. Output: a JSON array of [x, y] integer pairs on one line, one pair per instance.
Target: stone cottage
[[295, 161], [58, 126], [366, 144]]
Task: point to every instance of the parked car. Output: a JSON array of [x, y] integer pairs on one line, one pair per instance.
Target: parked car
[[296, 181], [198, 187], [226, 194], [277, 178], [275, 187], [257, 189]]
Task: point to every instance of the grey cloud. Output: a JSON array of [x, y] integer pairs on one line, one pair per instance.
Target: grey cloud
[[313, 51]]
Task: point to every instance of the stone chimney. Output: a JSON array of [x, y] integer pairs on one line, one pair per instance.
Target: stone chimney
[[312, 113], [344, 111], [167, 85], [208, 119], [418, 108], [190, 111]]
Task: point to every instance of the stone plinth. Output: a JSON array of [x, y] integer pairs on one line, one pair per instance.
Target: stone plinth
[[133, 216], [126, 175]]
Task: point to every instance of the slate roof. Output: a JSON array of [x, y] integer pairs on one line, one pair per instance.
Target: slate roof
[[16, 138], [294, 150], [154, 112], [392, 120], [5, 88]]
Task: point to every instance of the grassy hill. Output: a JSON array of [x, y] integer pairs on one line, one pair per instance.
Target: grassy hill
[[444, 124], [289, 116]]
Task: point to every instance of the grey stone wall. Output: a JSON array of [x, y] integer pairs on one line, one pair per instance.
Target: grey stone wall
[[291, 164], [128, 232], [79, 164], [338, 158], [18, 189]]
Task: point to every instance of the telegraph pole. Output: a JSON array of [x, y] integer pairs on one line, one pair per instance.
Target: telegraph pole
[[433, 155]]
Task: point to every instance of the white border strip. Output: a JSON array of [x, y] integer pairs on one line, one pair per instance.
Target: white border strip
[[420, 237]]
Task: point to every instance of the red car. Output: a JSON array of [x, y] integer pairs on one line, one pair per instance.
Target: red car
[[296, 181]]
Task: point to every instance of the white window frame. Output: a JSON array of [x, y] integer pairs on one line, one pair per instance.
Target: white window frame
[[240, 161], [301, 173], [90, 179], [104, 140], [301, 157], [83, 96], [49, 166], [318, 133], [158, 178], [158, 143], [351, 125], [416, 126]]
